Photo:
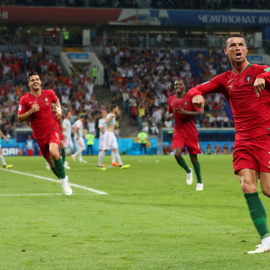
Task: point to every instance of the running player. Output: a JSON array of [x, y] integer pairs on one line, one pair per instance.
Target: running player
[[36, 105], [252, 125], [185, 133]]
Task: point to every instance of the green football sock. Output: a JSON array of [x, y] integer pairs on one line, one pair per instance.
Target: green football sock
[[183, 164], [197, 169], [257, 213], [59, 167], [63, 152], [54, 171]]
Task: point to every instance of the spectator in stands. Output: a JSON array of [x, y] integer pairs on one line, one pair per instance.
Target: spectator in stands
[[225, 149], [219, 120], [208, 149], [90, 142], [217, 149], [166, 149], [168, 123], [91, 125], [142, 139], [159, 40], [94, 73], [29, 146]]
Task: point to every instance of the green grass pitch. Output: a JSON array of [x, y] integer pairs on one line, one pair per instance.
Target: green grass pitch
[[149, 218]]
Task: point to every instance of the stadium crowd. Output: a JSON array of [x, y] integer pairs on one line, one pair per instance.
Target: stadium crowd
[[161, 4], [75, 91], [140, 83]]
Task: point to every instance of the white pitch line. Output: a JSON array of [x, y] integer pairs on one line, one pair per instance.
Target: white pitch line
[[57, 181], [42, 194]]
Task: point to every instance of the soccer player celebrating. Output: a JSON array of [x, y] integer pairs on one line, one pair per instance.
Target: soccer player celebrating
[[185, 133], [252, 124], [36, 105]]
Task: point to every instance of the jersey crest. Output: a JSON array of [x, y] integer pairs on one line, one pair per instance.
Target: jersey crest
[[46, 100], [248, 78]]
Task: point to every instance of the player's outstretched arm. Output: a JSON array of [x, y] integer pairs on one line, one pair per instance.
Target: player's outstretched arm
[[199, 102]]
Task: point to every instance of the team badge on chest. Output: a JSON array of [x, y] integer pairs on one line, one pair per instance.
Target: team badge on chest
[[46, 101], [248, 78]]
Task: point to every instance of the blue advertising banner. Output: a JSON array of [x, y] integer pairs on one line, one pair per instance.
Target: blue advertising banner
[[214, 18]]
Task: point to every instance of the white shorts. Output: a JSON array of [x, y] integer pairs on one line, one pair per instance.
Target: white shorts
[[68, 143], [80, 145], [110, 141], [101, 142]]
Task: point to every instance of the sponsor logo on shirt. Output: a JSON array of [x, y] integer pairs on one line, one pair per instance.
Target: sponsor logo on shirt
[[185, 103], [20, 107], [267, 69]]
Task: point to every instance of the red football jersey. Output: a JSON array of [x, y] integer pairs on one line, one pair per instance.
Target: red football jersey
[[184, 124], [251, 113], [42, 121]]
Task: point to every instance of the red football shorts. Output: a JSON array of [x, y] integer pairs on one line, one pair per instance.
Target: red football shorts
[[252, 154], [53, 137], [191, 143], [61, 136]]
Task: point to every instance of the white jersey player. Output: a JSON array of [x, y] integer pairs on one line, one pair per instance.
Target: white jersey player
[[102, 129], [67, 133], [79, 141], [110, 142]]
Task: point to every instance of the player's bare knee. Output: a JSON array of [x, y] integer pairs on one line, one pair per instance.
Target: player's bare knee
[[193, 159], [177, 154], [247, 185], [55, 155]]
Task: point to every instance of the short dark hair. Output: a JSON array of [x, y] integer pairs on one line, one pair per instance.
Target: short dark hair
[[32, 73], [113, 107], [180, 80], [234, 35]]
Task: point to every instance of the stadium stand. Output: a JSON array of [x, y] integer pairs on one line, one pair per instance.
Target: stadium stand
[[138, 72]]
